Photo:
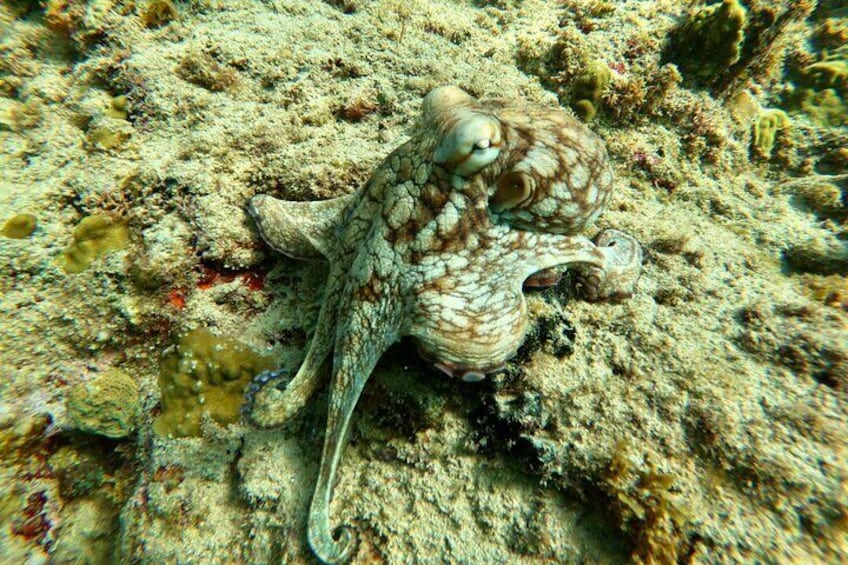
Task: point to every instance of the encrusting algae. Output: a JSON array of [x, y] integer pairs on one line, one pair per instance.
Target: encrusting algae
[[644, 500], [19, 226], [709, 41], [821, 88], [206, 374], [93, 237], [768, 123], [118, 108], [587, 90]]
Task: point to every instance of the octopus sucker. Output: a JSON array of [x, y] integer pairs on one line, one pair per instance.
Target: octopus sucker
[[485, 196]]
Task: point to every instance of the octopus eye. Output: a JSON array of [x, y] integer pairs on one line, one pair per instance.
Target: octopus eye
[[470, 145], [513, 189]]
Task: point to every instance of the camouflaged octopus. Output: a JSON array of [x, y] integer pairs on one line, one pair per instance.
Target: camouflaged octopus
[[437, 245]]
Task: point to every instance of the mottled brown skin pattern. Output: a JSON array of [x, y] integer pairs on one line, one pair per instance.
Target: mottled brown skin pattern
[[437, 246]]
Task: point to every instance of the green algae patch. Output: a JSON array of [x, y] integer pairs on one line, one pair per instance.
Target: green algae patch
[[93, 237], [19, 226], [768, 123], [709, 41], [107, 405], [588, 89], [105, 138], [822, 90], [206, 374], [118, 108]]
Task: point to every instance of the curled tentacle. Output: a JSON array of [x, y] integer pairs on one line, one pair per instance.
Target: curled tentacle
[[273, 406], [329, 549], [620, 271], [277, 378]]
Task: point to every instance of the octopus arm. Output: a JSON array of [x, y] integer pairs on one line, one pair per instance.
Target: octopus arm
[[303, 230], [539, 251], [365, 332], [610, 266], [271, 407]]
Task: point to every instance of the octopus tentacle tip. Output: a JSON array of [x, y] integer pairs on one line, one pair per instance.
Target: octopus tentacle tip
[[330, 550], [621, 268], [277, 378]]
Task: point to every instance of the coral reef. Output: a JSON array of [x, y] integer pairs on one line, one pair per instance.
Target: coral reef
[[202, 69], [644, 499], [118, 108], [819, 194], [206, 375], [721, 46], [156, 13], [587, 90], [82, 22], [820, 89], [825, 107], [110, 128], [704, 419], [400, 404], [831, 290], [107, 405]]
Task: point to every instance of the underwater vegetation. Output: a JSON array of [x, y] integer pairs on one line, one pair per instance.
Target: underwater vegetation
[[720, 46], [649, 510], [820, 89], [709, 41], [205, 375], [587, 90], [767, 124], [111, 129], [19, 226], [202, 69], [156, 13], [93, 237]]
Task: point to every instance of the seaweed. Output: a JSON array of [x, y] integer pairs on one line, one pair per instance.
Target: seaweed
[[643, 499]]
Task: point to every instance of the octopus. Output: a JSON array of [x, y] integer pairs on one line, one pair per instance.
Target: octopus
[[486, 196]]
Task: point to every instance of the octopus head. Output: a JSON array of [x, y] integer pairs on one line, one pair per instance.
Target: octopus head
[[554, 174], [545, 170], [469, 137]]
